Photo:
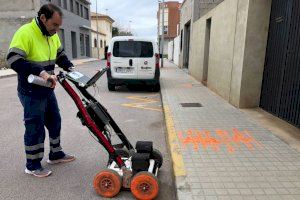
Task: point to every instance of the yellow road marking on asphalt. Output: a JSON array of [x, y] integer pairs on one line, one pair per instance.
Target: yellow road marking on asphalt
[[142, 103], [176, 155]]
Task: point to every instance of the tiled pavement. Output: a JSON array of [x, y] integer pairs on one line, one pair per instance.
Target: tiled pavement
[[220, 153]]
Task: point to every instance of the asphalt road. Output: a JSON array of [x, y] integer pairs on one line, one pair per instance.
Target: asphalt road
[[138, 113]]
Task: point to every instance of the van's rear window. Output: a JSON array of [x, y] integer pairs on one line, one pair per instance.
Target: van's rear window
[[133, 49]]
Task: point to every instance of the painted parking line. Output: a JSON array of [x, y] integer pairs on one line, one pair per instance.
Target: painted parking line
[[144, 102]]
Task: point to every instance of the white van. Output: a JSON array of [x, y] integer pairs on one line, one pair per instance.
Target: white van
[[132, 60]]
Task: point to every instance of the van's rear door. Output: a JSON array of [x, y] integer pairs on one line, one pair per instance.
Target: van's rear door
[[146, 64], [123, 61]]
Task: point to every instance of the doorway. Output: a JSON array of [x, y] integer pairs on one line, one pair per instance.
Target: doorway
[[186, 49], [74, 44], [87, 45], [206, 51]]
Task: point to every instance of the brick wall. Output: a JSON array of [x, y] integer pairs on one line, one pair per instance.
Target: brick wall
[[174, 18]]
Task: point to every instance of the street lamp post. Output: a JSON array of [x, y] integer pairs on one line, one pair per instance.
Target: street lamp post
[[97, 30], [130, 27]]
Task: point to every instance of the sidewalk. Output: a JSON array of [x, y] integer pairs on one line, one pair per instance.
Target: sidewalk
[[9, 72], [218, 152]]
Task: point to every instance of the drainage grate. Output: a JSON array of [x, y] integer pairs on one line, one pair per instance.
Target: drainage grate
[[190, 105]]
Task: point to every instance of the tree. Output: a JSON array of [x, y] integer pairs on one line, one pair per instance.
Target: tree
[[115, 31], [119, 31]]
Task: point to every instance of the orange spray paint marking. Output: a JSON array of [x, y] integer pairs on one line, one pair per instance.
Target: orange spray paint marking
[[210, 141], [182, 139], [248, 133], [246, 138], [197, 137], [226, 139], [187, 85], [206, 140], [191, 139]]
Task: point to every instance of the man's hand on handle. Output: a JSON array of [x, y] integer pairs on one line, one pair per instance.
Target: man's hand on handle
[[50, 78]]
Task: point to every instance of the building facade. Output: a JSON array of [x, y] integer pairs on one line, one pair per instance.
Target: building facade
[[228, 48], [191, 11], [171, 22], [101, 34], [75, 32]]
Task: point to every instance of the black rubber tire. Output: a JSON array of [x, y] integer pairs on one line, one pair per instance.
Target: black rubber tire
[[157, 156], [156, 87], [144, 186], [111, 87], [107, 183]]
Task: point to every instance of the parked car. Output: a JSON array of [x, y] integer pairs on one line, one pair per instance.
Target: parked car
[[133, 60]]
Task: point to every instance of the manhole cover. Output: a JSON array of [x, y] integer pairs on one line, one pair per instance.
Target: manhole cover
[[191, 105]]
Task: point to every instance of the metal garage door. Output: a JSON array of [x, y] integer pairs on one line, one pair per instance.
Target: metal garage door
[[281, 81]]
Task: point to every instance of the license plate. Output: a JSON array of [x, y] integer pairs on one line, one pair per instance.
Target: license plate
[[124, 70]]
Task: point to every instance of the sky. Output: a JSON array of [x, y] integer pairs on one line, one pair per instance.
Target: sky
[[141, 13]]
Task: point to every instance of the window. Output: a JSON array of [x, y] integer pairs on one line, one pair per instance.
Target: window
[[104, 43], [165, 29], [72, 5], [77, 8], [95, 43], [81, 10], [58, 2], [65, 4], [61, 35], [86, 13], [101, 44], [81, 38], [133, 49]]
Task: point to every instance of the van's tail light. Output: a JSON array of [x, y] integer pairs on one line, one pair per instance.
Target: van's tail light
[[108, 59], [157, 60]]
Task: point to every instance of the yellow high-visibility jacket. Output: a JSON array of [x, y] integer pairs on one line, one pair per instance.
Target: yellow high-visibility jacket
[[30, 52]]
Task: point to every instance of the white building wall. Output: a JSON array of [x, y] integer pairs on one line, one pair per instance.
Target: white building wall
[[176, 50], [170, 50], [105, 28]]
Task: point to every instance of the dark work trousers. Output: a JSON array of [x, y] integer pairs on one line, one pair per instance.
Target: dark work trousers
[[38, 113]]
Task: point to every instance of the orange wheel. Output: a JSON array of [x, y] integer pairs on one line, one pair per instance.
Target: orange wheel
[[107, 183], [144, 186]]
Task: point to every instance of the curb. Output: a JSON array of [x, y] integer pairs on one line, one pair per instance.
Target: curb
[[8, 75], [83, 61], [182, 186], [178, 164]]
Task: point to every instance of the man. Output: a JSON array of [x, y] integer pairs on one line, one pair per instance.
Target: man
[[35, 49]]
